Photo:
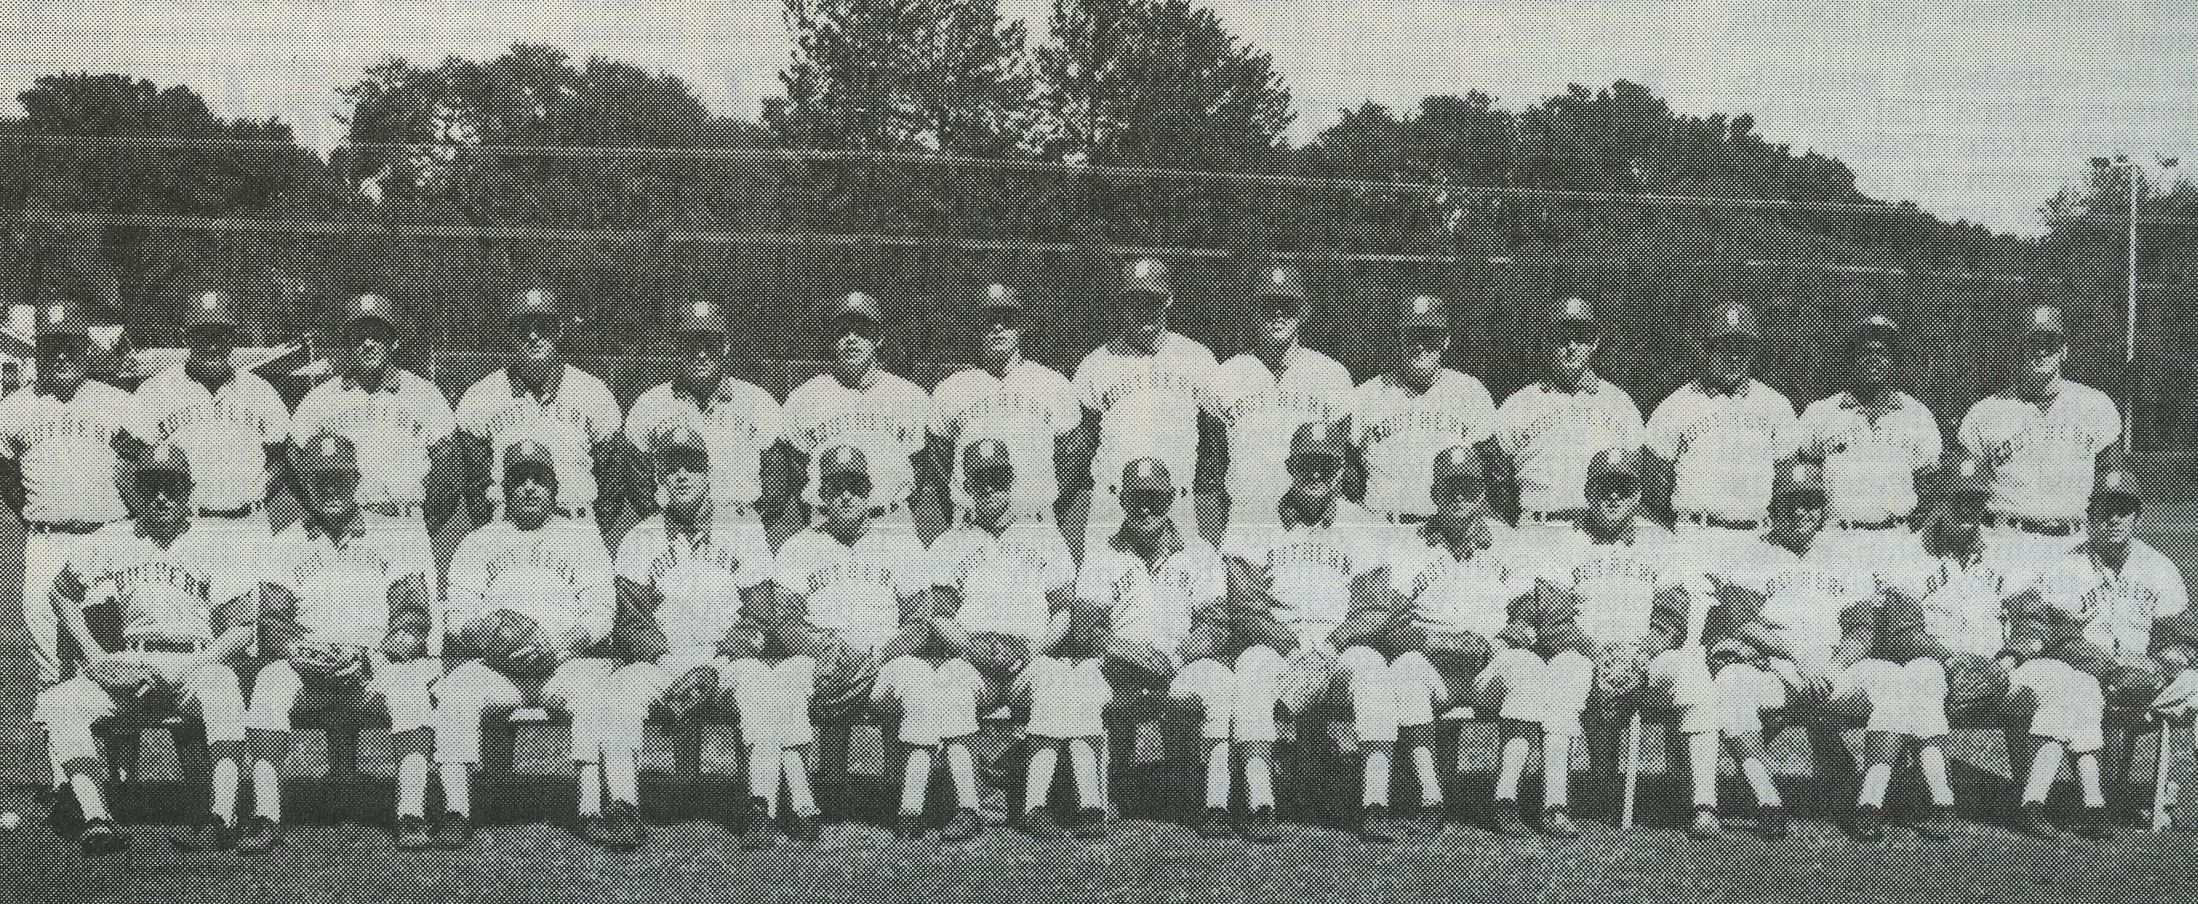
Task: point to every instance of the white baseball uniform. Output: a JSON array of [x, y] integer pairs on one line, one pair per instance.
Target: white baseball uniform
[[1308, 568], [1551, 435], [1723, 448], [2117, 608], [391, 428], [1148, 407], [854, 592], [342, 591], [1870, 462], [1806, 599], [1004, 580], [738, 424], [1399, 433], [1620, 586], [70, 478], [1262, 410], [1027, 411], [574, 412], [698, 579], [2043, 460], [1152, 603], [1452, 596], [886, 422], [224, 432]]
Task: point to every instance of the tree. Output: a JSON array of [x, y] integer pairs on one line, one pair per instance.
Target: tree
[[897, 75], [1156, 82]]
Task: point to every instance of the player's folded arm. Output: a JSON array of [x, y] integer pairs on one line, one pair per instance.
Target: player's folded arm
[[1376, 610], [1668, 620]]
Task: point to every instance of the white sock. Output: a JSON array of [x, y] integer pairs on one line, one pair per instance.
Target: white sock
[[60, 775], [2045, 766], [2087, 775], [797, 783], [1759, 779], [225, 790], [916, 781], [1511, 766], [1259, 782], [963, 772], [1874, 782], [621, 776], [458, 788], [1217, 776], [1933, 761], [1083, 760], [764, 764], [267, 790], [1374, 785], [412, 785], [1556, 769], [1423, 763], [591, 788], [1702, 759], [1038, 782], [88, 798]]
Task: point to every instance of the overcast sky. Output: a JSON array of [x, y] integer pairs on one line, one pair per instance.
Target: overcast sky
[[1976, 110]]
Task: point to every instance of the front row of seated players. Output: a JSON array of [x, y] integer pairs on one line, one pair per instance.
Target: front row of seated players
[[1324, 607]]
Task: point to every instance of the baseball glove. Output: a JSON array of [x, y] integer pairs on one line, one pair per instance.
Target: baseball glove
[[999, 657], [509, 642], [330, 662], [1619, 671], [687, 693]]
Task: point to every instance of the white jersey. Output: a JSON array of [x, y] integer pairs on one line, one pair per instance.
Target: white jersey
[[2043, 457], [343, 590], [1804, 596], [1551, 435], [738, 424], [886, 422], [1148, 405], [1617, 583], [66, 449], [1723, 447], [1309, 567], [1870, 463], [1964, 604], [162, 592], [576, 412], [1026, 410], [1451, 595], [1400, 432], [1004, 579], [224, 432], [559, 575], [2116, 609], [1153, 602], [1262, 411], [699, 578], [855, 591], [391, 428]]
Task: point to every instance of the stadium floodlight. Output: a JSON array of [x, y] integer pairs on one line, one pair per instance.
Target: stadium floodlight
[[2129, 340]]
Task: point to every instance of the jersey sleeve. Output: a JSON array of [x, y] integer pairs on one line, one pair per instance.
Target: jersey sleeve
[[790, 570], [468, 579], [603, 416], [1060, 567], [754, 550], [473, 412], [1209, 580], [1661, 434], [1928, 446], [1480, 411], [1062, 405], [913, 569], [2103, 423], [2174, 597], [1975, 434], [436, 418], [641, 421], [793, 427], [1090, 392], [635, 557]]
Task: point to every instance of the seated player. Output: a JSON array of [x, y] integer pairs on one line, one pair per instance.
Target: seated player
[[689, 570], [1004, 590], [528, 594], [1290, 588], [161, 582], [345, 605]]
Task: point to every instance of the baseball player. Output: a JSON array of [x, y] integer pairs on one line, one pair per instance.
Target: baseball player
[[690, 568], [1162, 595], [1795, 625], [345, 610], [852, 579], [1631, 642], [1547, 431], [1874, 442], [1004, 592], [229, 421], [1024, 405], [1404, 418], [1146, 394], [1720, 436], [2043, 435], [541, 399], [61, 445], [751, 476], [528, 594], [858, 404], [391, 416], [1290, 586], [162, 581], [1266, 392]]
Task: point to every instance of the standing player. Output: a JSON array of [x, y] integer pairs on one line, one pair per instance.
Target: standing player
[[691, 568], [1268, 391], [2043, 435], [350, 605], [858, 404], [391, 416], [1024, 405], [1146, 394], [230, 422], [541, 399], [164, 581], [750, 477], [1005, 589], [1290, 586], [854, 580], [1548, 430], [1720, 436], [528, 594], [1404, 418], [1874, 441]]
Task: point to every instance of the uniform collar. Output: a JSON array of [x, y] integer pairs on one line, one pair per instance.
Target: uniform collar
[[357, 527], [391, 379], [1435, 537], [1590, 384], [1171, 542], [1703, 386], [1293, 517], [1894, 401], [549, 386]]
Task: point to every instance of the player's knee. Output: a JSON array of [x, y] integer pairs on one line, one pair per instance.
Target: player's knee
[[1363, 660], [1259, 659]]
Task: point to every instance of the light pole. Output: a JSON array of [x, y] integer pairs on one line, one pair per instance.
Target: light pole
[[2135, 174]]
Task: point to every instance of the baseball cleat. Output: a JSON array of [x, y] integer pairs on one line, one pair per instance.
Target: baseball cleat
[[101, 837], [757, 833], [1706, 824], [2092, 823], [208, 832], [1423, 819], [1511, 819], [908, 825], [965, 824], [807, 828], [258, 835], [1216, 824], [1375, 824], [596, 829], [1557, 821], [1770, 822], [1091, 822], [1867, 823], [1263, 826], [414, 833], [2032, 821], [1936, 823], [453, 831], [627, 829], [1038, 822]]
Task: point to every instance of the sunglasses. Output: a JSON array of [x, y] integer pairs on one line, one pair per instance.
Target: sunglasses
[[1614, 488], [2044, 343], [1147, 501], [1578, 334], [860, 326], [525, 474], [991, 480], [1426, 335], [536, 325], [1796, 508], [334, 483], [1000, 319], [834, 486], [1318, 468], [170, 484], [689, 460], [1457, 488]]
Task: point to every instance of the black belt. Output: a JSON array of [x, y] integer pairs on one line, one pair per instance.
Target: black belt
[[242, 511], [1699, 518], [2059, 528], [1404, 518], [63, 527], [1892, 522]]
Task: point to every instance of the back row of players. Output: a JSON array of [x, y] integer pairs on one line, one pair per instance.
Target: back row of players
[[1343, 548]]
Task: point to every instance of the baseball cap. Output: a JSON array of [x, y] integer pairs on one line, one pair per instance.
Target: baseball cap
[[842, 460], [1426, 312], [212, 309], [1573, 309], [1731, 318], [700, 316], [2044, 319], [527, 457], [988, 458], [1146, 477], [1146, 276], [2115, 493], [1280, 284], [534, 304], [1969, 479], [1318, 441], [370, 306], [1875, 328], [679, 439], [166, 458], [328, 453], [1614, 466], [857, 305], [1000, 297], [1798, 480], [1455, 465], [62, 318]]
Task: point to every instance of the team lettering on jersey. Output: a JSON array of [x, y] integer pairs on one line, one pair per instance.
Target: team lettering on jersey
[[380, 409], [1007, 406], [1020, 555], [1573, 420], [517, 415], [1150, 380], [1806, 580], [1728, 420], [1317, 552], [705, 552], [1174, 580], [854, 422], [861, 573], [218, 410], [324, 559], [1615, 568], [150, 575], [1278, 400], [536, 556], [1432, 420], [67, 428]]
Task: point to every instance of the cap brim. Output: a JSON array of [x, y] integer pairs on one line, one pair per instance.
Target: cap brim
[[2115, 502]]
